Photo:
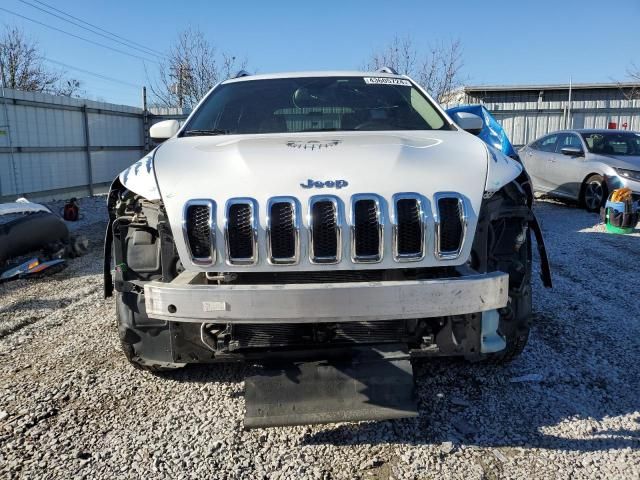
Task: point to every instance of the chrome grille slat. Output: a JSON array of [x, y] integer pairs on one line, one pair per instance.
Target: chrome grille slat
[[451, 225], [198, 228], [325, 235], [367, 229], [408, 228], [283, 231], [241, 232]]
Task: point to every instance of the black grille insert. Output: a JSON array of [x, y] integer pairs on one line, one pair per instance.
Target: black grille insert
[[240, 237], [282, 231], [366, 230], [451, 227], [199, 231], [410, 228], [324, 231], [290, 335]]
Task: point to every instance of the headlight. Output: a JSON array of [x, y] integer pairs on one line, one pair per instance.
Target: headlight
[[630, 174]]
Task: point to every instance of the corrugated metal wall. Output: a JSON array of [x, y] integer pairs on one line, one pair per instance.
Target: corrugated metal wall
[[43, 144], [528, 114]]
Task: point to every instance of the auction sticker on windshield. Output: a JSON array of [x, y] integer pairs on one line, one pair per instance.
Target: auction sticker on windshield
[[386, 81]]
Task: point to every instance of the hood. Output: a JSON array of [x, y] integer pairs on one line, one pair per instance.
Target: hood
[[303, 165]]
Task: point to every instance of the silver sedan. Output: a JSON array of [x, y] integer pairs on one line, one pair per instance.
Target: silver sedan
[[584, 165]]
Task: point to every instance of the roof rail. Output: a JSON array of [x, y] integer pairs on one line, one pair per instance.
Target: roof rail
[[242, 73], [387, 70]]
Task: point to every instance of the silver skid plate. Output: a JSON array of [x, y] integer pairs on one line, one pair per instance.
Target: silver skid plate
[[373, 383]]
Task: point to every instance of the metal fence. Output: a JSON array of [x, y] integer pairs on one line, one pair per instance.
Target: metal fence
[[52, 146]]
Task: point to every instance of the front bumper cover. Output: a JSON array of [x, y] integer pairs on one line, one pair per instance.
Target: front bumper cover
[[184, 301]]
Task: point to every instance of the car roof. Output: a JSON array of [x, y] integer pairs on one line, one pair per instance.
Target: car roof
[[332, 73], [587, 130], [599, 130]]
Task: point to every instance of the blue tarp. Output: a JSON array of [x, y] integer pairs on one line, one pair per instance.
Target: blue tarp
[[491, 133]]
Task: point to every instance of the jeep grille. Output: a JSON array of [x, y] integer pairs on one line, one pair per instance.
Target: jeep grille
[[407, 213]]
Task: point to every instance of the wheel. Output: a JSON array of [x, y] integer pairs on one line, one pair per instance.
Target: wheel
[[515, 318], [129, 338], [594, 193], [516, 341], [514, 327]]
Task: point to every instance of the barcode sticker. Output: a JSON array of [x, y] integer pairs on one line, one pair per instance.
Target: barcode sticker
[[386, 81], [215, 306]]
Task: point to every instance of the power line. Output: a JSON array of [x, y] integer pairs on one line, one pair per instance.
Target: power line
[[79, 37], [126, 43], [99, 75], [99, 28]]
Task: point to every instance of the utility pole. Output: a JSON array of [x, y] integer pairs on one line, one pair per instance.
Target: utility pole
[[182, 74], [180, 87], [568, 125], [145, 121]]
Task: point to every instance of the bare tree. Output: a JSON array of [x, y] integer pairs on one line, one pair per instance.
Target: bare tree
[[631, 92], [22, 67], [438, 69], [192, 67]]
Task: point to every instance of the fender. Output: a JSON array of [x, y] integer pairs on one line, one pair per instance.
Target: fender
[[501, 170], [140, 177]]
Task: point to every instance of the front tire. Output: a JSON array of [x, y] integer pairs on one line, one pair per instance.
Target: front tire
[[503, 243], [515, 329], [594, 193]]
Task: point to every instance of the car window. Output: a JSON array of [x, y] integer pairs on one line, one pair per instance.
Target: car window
[[548, 144], [613, 143], [308, 104]]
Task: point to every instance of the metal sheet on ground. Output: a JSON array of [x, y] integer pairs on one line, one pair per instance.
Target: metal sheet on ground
[[375, 383]]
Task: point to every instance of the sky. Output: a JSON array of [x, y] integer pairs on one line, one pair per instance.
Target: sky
[[504, 42]]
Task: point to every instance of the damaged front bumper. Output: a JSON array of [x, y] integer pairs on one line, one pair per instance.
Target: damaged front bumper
[[184, 300]]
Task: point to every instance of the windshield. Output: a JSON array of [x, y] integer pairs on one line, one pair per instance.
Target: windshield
[[314, 104], [613, 143]]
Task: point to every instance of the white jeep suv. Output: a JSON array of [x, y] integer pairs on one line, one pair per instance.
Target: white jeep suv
[[304, 214]]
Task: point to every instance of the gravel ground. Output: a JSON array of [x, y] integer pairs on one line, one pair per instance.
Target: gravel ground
[[71, 406]]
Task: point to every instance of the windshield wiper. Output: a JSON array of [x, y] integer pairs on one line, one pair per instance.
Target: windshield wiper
[[203, 132], [326, 130]]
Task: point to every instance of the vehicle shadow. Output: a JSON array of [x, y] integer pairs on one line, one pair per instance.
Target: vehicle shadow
[[478, 406]]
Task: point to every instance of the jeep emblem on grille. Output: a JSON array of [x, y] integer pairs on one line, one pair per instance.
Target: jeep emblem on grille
[[326, 184]]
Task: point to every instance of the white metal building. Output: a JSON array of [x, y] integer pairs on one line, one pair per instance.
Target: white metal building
[[527, 112]]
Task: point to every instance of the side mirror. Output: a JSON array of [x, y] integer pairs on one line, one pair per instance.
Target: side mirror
[[161, 131], [469, 122], [572, 151]]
